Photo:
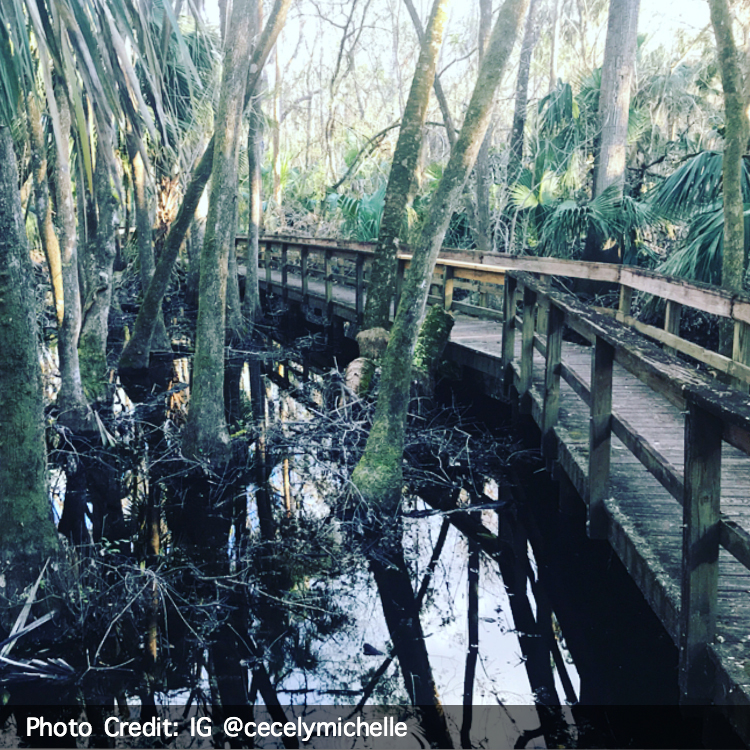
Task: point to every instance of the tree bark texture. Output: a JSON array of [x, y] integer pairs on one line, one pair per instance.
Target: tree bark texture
[[74, 411], [27, 533], [450, 128], [735, 142], [482, 169], [403, 173], [618, 73], [206, 436], [98, 266], [515, 158], [43, 205], [251, 301], [135, 355], [378, 475], [144, 236]]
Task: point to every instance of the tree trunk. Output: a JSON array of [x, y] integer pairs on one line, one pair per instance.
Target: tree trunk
[[98, 267], [618, 73], [735, 144], [43, 206], [206, 436], [74, 411], [403, 173], [144, 237], [515, 158], [450, 128], [482, 169], [135, 355], [27, 533], [251, 301], [378, 476]]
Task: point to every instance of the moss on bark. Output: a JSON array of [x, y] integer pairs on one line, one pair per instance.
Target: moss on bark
[[27, 533]]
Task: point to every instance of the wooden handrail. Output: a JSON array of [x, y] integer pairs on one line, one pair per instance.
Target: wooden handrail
[[715, 414]]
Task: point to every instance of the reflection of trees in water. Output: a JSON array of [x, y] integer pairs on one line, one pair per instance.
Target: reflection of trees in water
[[223, 608]]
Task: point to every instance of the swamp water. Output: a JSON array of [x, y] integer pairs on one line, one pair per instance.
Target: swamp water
[[298, 623]]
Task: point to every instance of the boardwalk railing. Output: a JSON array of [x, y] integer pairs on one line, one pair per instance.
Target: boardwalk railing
[[714, 412], [334, 276]]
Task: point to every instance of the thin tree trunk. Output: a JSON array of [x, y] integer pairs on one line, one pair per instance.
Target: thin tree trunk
[[43, 205], [515, 158], [450, 128], [98, 268], [144, 237], [74, 411], [554, 42], [735, 144], [251, 302], [402, 176], [27, 533], [206, 437], [473, 650], [482, 168], [135, 355], [378, 475]]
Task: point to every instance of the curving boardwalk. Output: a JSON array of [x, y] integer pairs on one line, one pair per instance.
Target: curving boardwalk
[[657, 447]]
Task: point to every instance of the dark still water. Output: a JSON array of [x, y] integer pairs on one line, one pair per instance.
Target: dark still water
[[273, 602]]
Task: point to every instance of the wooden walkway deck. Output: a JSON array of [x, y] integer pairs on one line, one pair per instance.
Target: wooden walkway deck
[[657, 449]]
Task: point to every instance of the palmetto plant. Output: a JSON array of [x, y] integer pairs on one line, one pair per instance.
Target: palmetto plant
[[693, 194]]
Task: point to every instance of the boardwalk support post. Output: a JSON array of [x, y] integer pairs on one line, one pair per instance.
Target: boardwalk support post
[[448, 284], [672, 318], [527, 350], [600, 437], [555, 324], [285, 272], [509, 332], [700, 552], [328, 271], [360, 288]]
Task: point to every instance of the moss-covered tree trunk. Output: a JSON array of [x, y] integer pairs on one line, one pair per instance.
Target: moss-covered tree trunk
[[206, 436], [378, 477], [403, 173], [98, 264], [144, 236], [735, 145], [27, 533], [135, 355]]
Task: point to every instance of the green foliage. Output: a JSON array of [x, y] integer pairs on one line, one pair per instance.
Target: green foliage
[[361, 215]]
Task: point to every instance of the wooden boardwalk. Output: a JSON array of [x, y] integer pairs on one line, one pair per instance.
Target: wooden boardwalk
[[658, 449]]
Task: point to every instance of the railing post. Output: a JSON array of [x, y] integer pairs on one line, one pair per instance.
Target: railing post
[[741, 347], [448, 287], [527, 350], [672, 317], [555, 325], [284, 271], [303, 257], [509, 332], [600, 437], [360, 288], [267, 256], [626, 299], [700, 552], [329, 280]]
